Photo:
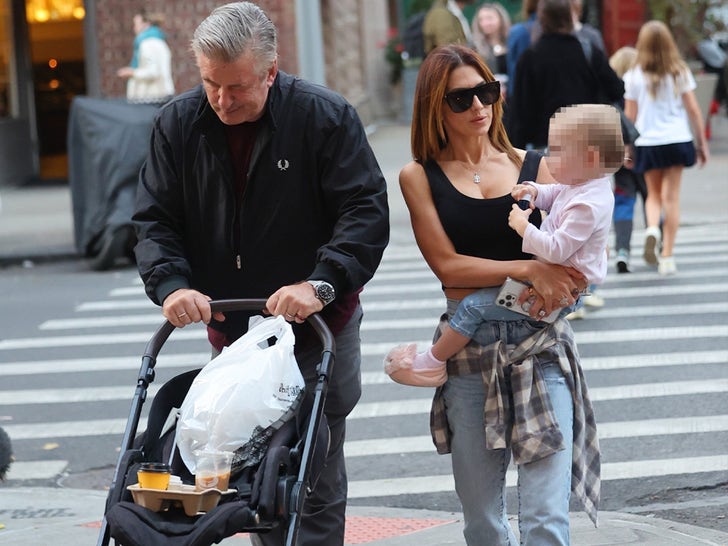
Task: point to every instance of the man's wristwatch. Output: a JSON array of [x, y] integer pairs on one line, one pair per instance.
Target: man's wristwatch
[[324, 291]]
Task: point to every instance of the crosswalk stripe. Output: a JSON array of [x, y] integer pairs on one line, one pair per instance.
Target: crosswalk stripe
[[184, 360], [607, 431], [36, 470], [437, 305], [413, 406], [368, 409], [610, 471], [411, 272], [384, 446], [42, 367], [582, 338]]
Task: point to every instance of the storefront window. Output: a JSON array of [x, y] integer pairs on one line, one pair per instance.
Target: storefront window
[[42, 11], [6, 57]]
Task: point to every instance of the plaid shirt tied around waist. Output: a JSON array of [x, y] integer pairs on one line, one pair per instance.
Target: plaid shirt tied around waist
[[523, 419]]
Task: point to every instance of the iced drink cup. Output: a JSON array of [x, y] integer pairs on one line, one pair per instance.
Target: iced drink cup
[[213, 470]]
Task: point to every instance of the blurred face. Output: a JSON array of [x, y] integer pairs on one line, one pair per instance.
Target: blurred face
[[489, 21], [568, 158], [476, 119], [139, 24], [237, 91]]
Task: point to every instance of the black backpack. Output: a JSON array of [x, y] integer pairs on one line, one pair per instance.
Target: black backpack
[[412, 38]]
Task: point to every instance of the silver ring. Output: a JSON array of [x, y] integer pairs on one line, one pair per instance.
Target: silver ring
[[541, 313], [182, 315], [289, 315], [564, 300]]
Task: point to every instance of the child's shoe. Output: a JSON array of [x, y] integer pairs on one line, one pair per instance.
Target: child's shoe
[[404, 365]]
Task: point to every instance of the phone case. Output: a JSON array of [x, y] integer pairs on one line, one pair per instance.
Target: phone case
[[508, 298]]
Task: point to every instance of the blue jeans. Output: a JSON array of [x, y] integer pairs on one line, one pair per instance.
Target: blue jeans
[[544, 486], [478, 307]]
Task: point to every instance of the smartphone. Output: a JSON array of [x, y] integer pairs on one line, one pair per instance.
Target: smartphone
[[508, 298]]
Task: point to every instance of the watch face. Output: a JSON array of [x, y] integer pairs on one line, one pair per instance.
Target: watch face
[[324, 292]]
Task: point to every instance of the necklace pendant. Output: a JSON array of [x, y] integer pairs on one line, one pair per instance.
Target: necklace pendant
[[476, 178]]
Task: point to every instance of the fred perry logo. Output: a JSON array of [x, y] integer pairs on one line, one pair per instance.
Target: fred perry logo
[[283, 164]]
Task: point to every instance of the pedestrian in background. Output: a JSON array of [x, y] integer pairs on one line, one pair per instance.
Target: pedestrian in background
[[445, 24], [260, 184], [458, 193], [490, 28], [585, 31], [627, 182], [555, 72], [149, 74], [519, 38], [659, 97]]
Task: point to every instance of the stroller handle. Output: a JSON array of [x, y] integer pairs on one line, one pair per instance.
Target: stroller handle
[[256, 304]]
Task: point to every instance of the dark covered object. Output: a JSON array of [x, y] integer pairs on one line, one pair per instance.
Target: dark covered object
[[108, 141]]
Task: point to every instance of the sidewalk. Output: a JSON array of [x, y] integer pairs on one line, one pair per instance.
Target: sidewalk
[[36, 225], [71, 517]]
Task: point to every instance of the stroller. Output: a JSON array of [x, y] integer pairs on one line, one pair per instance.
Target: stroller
[[268, 494]]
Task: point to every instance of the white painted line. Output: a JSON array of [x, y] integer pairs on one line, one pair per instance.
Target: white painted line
[[610, 471], [589, 337], [582, 338], [41, 367], [35, 470], [95, 339], [116, 305], [651, 360], [628, 361], [68, 429], [600, 394], [102, 322], [607, 431], [70, 395], [127, 291]]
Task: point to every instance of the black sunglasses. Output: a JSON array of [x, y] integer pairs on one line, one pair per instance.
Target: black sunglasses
[[462, 100]]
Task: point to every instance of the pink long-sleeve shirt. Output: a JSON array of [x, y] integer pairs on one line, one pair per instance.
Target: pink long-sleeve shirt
[[576, 230]]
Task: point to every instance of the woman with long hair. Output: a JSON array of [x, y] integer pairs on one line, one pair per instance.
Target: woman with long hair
[[458, 193], [660, 99], [491, 26]]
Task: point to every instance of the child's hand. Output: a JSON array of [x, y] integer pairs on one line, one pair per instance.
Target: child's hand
[[518, 219], [524, 189]]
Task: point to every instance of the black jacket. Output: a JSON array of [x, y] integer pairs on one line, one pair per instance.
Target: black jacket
[[553, 73], [314, 207]]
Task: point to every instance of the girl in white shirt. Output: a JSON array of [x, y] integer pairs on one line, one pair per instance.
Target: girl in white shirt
[[659, 99]]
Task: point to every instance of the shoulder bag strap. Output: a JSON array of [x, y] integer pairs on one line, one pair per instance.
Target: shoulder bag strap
[[529, 169]]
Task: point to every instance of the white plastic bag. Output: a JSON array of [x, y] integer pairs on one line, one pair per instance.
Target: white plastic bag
[[249, 385]]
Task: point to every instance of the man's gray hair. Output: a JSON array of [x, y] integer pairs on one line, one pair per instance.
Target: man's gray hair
[[234, 29]]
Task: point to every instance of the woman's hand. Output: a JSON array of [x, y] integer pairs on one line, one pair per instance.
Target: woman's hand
[[553, 287]]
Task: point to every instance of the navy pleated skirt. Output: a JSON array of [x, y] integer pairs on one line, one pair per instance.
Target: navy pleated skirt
[[663, 156]]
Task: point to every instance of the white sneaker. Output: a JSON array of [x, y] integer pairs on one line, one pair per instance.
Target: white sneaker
[[666, 266], [593, 300], [652, 244]]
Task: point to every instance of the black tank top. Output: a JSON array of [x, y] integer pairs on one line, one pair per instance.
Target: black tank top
[[479, 227]]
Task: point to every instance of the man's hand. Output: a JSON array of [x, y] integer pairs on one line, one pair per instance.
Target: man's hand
[[295, 302], [185, 306]]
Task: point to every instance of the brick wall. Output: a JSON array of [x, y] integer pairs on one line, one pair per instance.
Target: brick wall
[[115, 36], [352, 29]]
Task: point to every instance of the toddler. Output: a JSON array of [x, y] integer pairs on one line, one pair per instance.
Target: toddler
[[585, 149]]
